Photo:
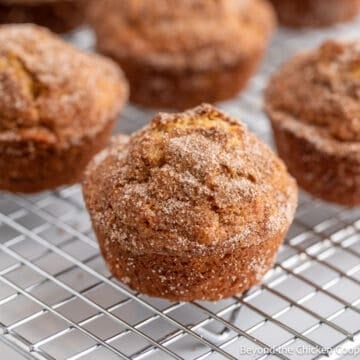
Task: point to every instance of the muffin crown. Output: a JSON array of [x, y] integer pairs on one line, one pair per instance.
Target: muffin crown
[[322, 89], [52, 92], [196, 181], [192, 33]]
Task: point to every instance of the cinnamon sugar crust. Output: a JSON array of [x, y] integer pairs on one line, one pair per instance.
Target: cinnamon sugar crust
[[329, 95], [196, 34], [315, 100], [315, 13], [51, 91], [52, 97], [195, 187], [215, 45], [58, 15]]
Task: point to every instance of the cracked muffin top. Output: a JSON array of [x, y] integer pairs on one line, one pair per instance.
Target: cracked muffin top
[[52, 92], [196, 182], [198, 33], [320, 90]]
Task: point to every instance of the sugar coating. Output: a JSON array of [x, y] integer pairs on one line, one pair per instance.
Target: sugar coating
[[191, 207], [314, 105], [195, 35], [52, 92], [190, 183], [325, 109]]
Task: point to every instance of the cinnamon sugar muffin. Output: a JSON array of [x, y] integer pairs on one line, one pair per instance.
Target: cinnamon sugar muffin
[[57, 108], [193, 206], [313, 13], [314, 105], [58, 15], [181, 53]]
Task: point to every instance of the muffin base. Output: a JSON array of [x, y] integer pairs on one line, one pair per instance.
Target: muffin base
[[59, 16], [191, 277], [331, 177], [180, 89], [29, 168], [315, 13]]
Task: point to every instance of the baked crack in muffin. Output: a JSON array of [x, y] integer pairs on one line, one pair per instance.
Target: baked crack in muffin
[[57, 108], [177, 54], [314, 105], [193, 206], [58, 15], [315, 13]]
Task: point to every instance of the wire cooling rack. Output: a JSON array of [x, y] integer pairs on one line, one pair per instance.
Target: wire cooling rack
[[58, 300]]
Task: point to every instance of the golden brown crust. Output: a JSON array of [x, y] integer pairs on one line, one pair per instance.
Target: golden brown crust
[[58, 15], [330, 176], [321, 87], [51, 90], [183, 90], [192, 277], [178, 54], [313, 103], [29, 167], [54, 100], [314, 13], [192, 34], [192, 185]]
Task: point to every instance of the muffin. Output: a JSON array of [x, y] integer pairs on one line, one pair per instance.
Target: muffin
[[58, 15], [314, 105], [193, 206], [315, 13], [177, 54], [57, 105]]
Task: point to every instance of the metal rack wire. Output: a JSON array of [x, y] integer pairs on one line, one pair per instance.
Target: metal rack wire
[[58, 301]]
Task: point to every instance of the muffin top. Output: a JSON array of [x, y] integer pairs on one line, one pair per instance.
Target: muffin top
[[187, 33], [321, 91], [193, 182], [52, 92]]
